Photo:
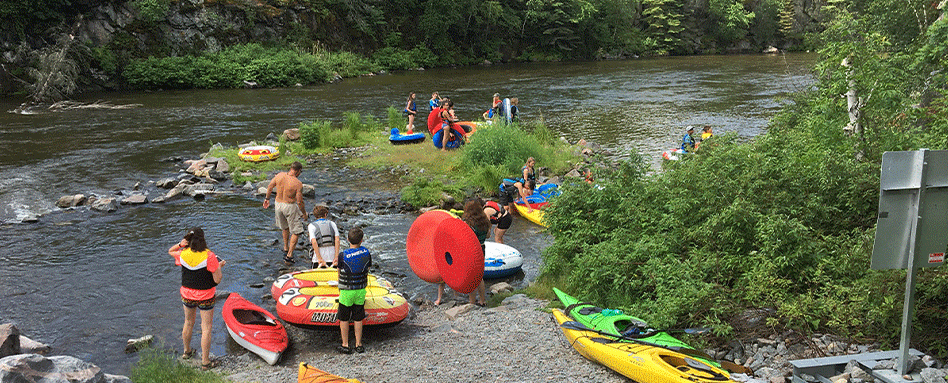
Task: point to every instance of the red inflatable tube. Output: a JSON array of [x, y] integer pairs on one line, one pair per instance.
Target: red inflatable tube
[[420, 245], [459, 255]]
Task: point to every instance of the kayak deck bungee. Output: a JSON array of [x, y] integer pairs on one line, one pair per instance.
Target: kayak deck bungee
[[620, 324], [637, 361]]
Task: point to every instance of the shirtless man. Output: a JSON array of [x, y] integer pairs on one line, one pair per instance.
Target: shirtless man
[[289, 190]]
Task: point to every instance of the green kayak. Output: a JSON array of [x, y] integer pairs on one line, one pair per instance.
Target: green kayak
[[624, 326]]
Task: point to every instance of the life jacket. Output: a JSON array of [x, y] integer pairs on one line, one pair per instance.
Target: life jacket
[[499, 211], [687, 143], [354, 268], [196, 276], [326, 236], [530, 176]]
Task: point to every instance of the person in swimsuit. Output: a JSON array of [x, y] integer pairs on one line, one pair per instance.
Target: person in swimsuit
[[410, 110], [447, 118], [289, 209], [528, 170], [200, 274], [353, 264]]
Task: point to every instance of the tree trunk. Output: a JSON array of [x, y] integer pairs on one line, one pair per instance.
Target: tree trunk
[[854, 103]]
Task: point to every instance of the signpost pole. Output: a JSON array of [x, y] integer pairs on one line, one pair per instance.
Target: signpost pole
[[908, 310]]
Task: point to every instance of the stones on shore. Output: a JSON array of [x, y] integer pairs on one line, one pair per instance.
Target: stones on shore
[[22, 360], [134, 345]]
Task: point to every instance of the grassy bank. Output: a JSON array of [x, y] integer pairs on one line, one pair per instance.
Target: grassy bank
[[161, 366], [477, 168]]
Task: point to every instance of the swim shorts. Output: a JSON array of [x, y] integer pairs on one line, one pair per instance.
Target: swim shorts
[[503, 223], [351, 305], [288, 216], [207, 304]]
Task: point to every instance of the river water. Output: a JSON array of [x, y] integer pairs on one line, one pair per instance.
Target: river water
[[85, 282]]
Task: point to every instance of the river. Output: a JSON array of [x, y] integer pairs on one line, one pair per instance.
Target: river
[[85, 282]]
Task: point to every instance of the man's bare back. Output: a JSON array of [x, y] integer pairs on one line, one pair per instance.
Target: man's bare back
[[287, 187]]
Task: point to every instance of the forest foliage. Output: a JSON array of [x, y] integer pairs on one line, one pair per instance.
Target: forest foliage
[[785, 222], [400, 35]]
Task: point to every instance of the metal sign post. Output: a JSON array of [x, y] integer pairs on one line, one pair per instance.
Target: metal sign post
[[912, 227]]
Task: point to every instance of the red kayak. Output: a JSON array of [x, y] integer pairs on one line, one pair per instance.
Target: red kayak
[[254, 328]]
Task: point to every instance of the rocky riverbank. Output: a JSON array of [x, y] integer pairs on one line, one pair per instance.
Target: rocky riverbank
[[518, 341]]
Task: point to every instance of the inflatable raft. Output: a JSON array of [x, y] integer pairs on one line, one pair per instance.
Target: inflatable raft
[[316, 305], [258, 153], [397, 138], [501, 260]]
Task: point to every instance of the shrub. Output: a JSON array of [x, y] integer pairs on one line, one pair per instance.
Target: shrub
[[506, 147], [310, 133]]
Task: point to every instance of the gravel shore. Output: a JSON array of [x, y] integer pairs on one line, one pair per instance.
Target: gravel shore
[[516, 341]]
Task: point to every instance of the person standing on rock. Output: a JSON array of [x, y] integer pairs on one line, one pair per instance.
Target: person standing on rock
[[290, 211], [200, 274]]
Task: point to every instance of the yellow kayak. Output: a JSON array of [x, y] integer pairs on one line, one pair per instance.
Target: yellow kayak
[[309, 374], [639, 362], [535, 216]]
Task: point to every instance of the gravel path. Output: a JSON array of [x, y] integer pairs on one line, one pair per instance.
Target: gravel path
[[514, 342]]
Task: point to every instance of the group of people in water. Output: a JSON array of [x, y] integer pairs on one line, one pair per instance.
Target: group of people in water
[[689, 143]]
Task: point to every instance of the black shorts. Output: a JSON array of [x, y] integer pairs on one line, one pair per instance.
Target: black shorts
[[509, 195], [503, 223], [207, 304], [354, 313]]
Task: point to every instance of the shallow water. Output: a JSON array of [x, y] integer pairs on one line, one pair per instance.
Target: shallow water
[[84, 282]]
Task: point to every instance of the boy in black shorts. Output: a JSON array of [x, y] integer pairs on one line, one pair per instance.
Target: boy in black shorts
[[353, 264]]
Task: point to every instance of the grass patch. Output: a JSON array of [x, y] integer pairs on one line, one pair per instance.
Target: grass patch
[[161, 366], [476, 168], [261, 169]]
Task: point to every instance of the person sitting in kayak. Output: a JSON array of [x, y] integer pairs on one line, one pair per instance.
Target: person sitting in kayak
[[513, 189], [687, 141]]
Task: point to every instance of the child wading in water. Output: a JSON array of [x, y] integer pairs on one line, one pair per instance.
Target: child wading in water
[[353, 264]]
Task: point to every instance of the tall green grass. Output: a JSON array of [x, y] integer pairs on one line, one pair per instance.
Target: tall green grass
[[161, 366]]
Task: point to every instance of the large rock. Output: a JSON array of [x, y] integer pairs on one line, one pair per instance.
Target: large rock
[[9, 340], [308, 191], [29, 346], [166, 183], [135, 199], [104, 204], [292, 134], [70, 201], [56, 369], [223, 166]]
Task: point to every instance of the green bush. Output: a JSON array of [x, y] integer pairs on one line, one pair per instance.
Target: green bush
[[152, 11], [310, 133], [507, 147]]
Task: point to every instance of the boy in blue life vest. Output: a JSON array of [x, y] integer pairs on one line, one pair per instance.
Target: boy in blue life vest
[[353, 264], [688, 142]]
